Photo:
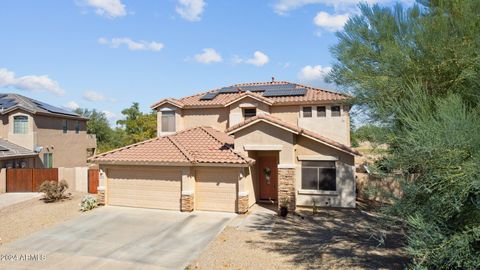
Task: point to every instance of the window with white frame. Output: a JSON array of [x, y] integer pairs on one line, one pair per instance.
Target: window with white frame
[[335, 111], [307, 112], [20, 124], [168, 121], [319, 175]]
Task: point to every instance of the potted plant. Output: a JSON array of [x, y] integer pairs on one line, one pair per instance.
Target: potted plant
[[284, 201]]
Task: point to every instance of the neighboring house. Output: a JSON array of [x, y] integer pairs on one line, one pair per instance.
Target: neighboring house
[[226, 149], [34, 134]]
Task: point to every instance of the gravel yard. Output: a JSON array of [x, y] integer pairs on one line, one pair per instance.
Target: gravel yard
[[22, 219], [332, 239]]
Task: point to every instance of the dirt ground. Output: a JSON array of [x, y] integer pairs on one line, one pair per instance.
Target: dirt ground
[[331, 239], [24, 218]]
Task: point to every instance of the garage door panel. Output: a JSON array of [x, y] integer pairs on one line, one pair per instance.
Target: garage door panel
[[216, 189], [149, 188]]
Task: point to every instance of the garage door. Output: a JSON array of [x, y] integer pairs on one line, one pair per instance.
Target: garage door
[[149, 188], [216, 189]]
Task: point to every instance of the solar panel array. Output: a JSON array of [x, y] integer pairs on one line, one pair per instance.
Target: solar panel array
[[278, 90], [53, 109], [6, 103]]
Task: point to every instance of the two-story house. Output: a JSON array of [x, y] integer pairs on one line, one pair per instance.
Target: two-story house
[[34, 134], [229, 148]]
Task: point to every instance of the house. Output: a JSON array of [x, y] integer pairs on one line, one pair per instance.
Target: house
[[34, 134], [229, 148]]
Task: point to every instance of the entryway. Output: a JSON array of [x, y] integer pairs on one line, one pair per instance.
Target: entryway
[[267, 171]]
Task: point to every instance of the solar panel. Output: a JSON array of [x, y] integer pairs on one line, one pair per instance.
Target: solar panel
[[53, 109], [209, 96], [6, 103], [285, 92], [229, 89]]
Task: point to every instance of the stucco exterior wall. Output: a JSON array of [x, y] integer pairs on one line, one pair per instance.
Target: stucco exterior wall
[[69, 149], [344, 196], [334, 127], [3, 180], [27, 140], [236, 109], [262, 133], [214, 117]]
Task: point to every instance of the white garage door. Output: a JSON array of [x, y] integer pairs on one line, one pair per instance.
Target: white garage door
[[216, 189], [148, 187]]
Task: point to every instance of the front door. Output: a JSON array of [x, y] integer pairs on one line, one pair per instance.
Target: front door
[[267, 175]]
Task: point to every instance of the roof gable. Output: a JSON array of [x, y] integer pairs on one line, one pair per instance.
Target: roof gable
[[291, 128]]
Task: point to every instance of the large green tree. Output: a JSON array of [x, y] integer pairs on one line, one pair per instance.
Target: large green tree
[[138, 126], [98, 124], [417, 70]]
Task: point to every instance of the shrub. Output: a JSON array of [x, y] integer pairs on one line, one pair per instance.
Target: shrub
[[89, 202], [53, 190]]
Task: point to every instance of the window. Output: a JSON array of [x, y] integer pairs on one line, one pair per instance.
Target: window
[[20, 124], [335, 110], [65, 126], [307, 112], [77, 127], [48, 160], [248, 113], [321, 111], [319, 175], [168, 121]]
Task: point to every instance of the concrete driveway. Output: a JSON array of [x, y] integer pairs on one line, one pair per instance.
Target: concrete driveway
[[119, 238]]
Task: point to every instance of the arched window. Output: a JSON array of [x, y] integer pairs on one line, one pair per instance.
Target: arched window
[[20, 124]]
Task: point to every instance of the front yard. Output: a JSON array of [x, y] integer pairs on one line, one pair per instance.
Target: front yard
[[22, 219], [331, 239]]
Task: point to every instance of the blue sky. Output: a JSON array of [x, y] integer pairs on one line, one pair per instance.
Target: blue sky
[[106, 54]]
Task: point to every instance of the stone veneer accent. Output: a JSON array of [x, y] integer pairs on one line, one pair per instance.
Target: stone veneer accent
[[242, 204], [101, 196], [188, 202], [286, 186]]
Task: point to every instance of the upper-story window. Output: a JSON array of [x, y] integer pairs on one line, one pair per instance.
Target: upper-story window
[[321, 111], [65, 126], [20, 124], [248, 113], [77, 127], [335, 110], [307, 112], [168, 121]]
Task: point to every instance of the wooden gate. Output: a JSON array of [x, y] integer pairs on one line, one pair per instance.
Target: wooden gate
[[29, 180], [93, 180]]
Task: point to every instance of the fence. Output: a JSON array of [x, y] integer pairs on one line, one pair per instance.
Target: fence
[[29, 180]]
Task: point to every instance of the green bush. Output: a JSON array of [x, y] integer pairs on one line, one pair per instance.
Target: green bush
[[53, 190], [89, 202]]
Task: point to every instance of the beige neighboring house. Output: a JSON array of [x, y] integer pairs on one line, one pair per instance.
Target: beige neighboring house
[[229, 148], [34, 134]]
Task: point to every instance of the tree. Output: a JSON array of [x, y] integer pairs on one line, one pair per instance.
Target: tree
[[417, 70], [97, 124], [138, 126]]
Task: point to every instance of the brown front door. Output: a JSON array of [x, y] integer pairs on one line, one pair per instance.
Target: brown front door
[[267, 175]]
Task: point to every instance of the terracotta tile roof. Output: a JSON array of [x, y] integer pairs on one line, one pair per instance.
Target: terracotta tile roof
[[313, 95], [295, 129], [191, 146]]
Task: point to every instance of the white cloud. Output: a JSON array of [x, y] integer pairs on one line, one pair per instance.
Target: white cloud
[[30, 82], [191, 10], [108, 8], [259, 59], [132, 45], [313, 73], [282, 7], [329, 22], [209, 55], [94, 96], [110, 115], [72, 105]]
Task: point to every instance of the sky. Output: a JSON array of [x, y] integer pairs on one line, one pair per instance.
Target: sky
[[106, 54]]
